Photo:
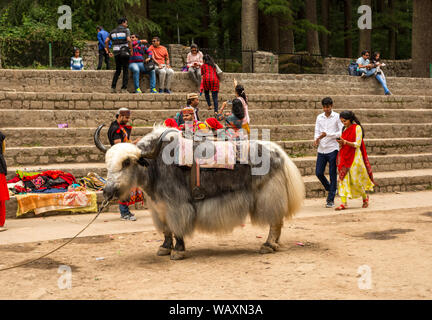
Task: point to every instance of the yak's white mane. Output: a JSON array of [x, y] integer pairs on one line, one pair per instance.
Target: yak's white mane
[[147, 142], [119, 153]]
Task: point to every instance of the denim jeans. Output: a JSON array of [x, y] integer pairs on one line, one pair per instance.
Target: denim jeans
[[321, 163], [383, 83], [215, 99], [370, 72], [124, 210], [136, 68]]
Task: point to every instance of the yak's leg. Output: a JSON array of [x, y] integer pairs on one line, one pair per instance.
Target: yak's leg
[[179, 251], [166, 247], [271, 244]]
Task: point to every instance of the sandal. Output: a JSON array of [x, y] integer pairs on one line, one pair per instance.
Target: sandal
[[365, 202], [210, 107], [341, 207]]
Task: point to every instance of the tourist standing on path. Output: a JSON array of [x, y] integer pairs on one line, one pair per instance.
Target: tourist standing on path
[[194, 63], [4, 192], [328, 128], [101, 36], [136, 63], [122, 47], [120, 132], [355, 172], [163, 69], [210, 82], [76, 61]]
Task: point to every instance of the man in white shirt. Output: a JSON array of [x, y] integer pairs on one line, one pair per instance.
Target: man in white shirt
[[328, 128]]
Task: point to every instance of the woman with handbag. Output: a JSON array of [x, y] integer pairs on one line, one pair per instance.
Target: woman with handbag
[[210, 82], [136, 64], [4, 192], [355, 172]]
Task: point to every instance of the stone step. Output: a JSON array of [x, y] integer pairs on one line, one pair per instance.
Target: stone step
[[100, 81], [147, 101], [140, 118], [393, 181], [306, 165], [46, 137], [22, 156]]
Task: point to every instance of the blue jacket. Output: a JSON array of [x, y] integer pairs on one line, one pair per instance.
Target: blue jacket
[[102, 35]]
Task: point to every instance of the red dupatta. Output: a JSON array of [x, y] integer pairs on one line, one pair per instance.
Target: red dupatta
[[346, 154]]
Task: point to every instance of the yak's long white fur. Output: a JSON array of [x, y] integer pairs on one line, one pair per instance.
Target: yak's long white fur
[[119, 153]]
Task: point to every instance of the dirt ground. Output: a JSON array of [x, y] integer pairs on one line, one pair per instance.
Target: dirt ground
[[320, 259]]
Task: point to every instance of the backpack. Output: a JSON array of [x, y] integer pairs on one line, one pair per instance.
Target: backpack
[[352, 69]]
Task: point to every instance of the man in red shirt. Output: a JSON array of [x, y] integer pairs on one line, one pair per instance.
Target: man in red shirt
[[163, 69]]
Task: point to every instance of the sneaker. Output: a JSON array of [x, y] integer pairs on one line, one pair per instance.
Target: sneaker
[[113, 90], [3, 229], [330, 205], [161, 90], [363, 75], [153, 90], [128, 217], [388, 93], [167, 91], [138, 90]]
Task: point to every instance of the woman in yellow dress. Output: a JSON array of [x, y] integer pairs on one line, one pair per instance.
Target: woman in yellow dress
[[355, 173]]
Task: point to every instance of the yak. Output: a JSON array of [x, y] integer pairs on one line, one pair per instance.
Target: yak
[[230, 195]]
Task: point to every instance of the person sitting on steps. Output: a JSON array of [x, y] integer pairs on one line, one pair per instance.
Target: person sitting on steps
[[367, 69]]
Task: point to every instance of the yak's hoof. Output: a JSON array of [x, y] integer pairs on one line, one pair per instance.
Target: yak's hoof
[[268, 248], [164, 251], [178, 255]]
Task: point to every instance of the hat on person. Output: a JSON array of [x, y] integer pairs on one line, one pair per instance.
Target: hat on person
[[171, 123], [188, 110], [213, 124], [192, 96], [123, 112]]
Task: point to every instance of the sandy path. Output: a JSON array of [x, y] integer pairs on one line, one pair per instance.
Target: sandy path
[[395, 245]]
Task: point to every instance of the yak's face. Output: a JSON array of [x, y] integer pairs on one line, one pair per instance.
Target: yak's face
[[124, 163]]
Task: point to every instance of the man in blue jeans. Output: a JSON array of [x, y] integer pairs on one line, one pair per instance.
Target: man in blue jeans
[[368, 69], [328, 128], [136, 63]]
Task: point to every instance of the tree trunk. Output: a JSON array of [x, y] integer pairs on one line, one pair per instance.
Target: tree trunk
[[392, 33], [204, 41], [221, 31], [274, 34], [311, 34], [365, 34], [325, 13], [286, 36], [139, 12], [249, 23], [347, 29], [421, 38]]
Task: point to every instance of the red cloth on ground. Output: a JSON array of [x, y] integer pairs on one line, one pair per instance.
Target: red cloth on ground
[[54, 174], [209, 78], [13, 180], [346, 154]]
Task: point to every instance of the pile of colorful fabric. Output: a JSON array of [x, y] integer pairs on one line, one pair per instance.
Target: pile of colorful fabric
[[51, 181], [51, 190]]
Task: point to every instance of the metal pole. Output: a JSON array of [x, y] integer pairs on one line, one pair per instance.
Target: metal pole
[[430, 70], [50, 54]]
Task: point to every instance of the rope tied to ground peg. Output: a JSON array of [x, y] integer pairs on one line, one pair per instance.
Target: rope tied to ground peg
[[105, 203]]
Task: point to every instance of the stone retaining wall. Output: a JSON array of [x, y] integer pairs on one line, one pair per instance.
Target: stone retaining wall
[[393, 68]]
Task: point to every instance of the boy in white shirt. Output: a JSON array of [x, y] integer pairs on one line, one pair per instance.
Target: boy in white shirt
[[328, 128]]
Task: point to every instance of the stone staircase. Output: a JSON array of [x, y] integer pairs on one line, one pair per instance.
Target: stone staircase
[[398, 128]]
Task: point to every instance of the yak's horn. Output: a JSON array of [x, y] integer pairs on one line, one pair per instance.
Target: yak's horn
[[97, 141], [156, 149]]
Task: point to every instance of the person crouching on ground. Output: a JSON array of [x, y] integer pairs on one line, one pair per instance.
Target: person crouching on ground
[[120, 132], [136, 63], [355, 172], [4, 192], [328, 128]]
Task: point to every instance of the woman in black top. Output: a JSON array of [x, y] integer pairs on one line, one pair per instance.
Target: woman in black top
[[4, 192]]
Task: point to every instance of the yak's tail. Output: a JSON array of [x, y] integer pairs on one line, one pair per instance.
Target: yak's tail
[[295, 187]]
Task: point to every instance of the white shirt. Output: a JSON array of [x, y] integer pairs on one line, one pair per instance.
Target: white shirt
[[332, 126]]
